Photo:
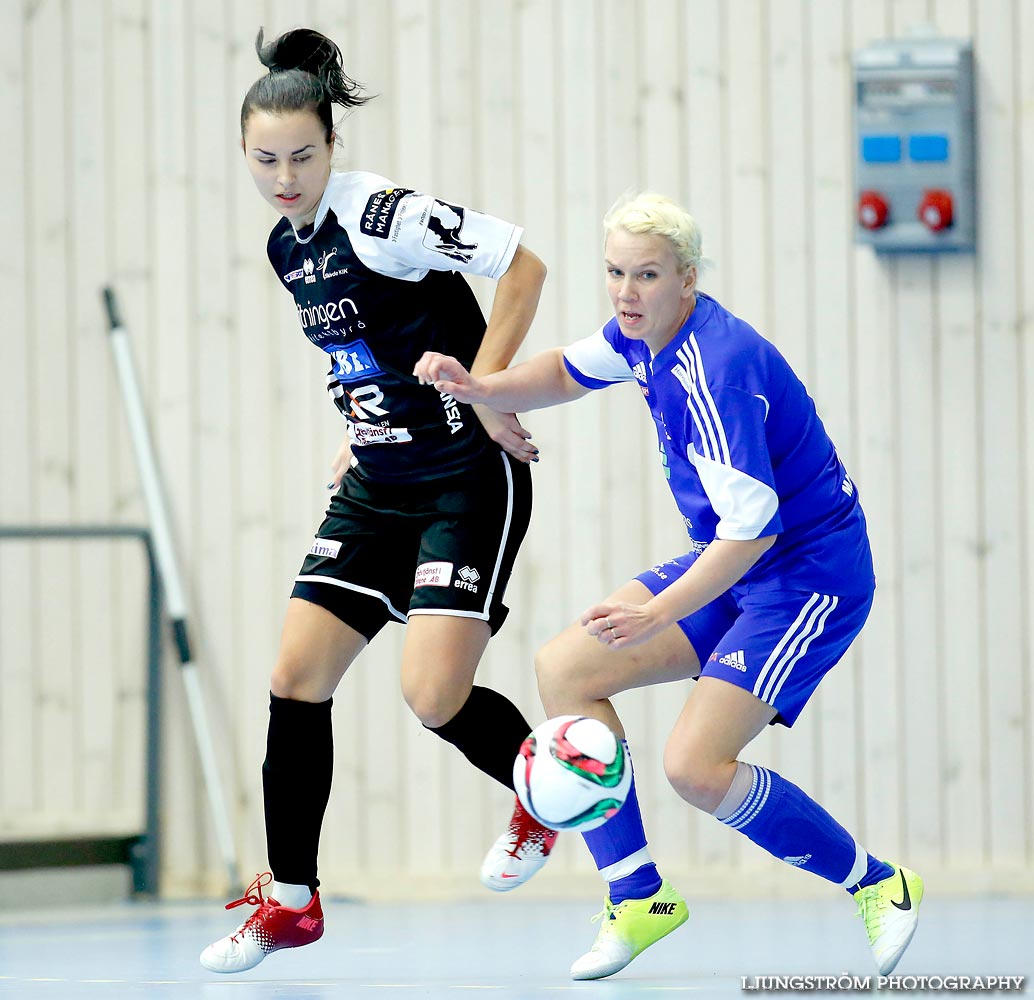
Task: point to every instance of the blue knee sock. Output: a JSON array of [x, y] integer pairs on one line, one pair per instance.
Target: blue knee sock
[[619, 850], [779, 817]]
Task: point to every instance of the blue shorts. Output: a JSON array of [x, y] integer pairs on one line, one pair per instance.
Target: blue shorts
[[778, 644]]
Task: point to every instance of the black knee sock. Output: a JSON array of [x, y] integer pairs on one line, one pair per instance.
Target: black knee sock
[[488, 730], [296, 777]]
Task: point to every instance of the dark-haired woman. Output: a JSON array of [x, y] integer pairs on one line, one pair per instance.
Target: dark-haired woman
[[432, 497]]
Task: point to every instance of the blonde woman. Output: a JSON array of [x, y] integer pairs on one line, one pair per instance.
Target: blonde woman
[[776, 582]]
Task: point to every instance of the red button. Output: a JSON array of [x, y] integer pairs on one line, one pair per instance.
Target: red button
[[935, 210], [873, 210]]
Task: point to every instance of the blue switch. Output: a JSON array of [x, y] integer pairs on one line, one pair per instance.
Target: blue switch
[[881, 148], [928, 148]]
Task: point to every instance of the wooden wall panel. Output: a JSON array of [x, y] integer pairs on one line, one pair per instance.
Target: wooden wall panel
[[912, 324], [90, 626], [1003, 510], [542, 112], [17, 410], [1023, 39], [51, 332], [959, 636]]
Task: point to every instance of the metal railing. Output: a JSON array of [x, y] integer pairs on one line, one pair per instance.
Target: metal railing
[[140, 851]]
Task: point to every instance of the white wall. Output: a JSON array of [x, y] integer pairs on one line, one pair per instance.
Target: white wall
[[122, 165]]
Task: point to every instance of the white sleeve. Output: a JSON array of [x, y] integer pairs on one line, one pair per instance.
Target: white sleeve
[[745, 506], [404, 234], [593, 361]]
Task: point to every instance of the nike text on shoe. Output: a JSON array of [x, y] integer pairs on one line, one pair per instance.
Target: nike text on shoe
[[890, 910], [270, 928], [518, 853], [628, 929]]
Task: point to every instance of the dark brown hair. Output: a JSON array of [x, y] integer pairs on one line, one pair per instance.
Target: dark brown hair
[[305, 74]]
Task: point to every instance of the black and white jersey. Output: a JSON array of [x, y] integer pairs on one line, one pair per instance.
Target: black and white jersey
[[376, 283]]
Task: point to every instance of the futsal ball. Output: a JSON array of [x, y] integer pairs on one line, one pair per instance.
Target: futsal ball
[[572, 772]]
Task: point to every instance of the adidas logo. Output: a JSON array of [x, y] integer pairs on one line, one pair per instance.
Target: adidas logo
[[665, 909], [847, 486], [798, 860], [735, 660], [639, 371]]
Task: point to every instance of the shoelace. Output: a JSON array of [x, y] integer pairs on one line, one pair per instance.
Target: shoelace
[[260, 880], [607, 911], [253, 898], [871, 909], [514, 831]]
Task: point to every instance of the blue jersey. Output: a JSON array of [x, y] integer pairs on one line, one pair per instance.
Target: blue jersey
[[743, 448]]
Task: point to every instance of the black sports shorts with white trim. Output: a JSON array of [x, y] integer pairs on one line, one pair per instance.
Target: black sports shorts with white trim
[[442, 547]]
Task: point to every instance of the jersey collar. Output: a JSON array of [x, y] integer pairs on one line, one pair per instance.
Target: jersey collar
[[306, 233]]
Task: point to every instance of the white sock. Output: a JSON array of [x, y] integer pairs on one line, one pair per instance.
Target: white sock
[[294, 897], [738, 791]]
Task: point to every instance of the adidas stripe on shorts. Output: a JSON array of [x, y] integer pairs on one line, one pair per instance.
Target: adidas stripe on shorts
[[778, 644]]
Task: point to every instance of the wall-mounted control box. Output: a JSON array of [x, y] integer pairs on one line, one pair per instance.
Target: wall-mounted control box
[[915, 177]]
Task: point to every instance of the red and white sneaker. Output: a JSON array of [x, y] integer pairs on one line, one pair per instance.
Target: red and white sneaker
[[270, 928], [518, 853]]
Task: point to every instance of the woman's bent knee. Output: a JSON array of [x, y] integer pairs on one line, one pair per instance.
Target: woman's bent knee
[[547, 668], [432, 705], [302, 681], [700, 782]]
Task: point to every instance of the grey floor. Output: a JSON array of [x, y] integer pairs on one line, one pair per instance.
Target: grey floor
[[500, 945]]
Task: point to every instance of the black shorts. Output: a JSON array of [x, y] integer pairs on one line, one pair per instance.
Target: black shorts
[[445, 547]]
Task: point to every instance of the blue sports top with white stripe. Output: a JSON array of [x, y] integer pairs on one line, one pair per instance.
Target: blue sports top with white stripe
[[743, 448]]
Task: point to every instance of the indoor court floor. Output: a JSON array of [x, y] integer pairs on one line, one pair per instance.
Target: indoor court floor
[[497, 947]]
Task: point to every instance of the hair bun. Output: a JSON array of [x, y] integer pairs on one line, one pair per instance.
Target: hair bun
[[301, 48]]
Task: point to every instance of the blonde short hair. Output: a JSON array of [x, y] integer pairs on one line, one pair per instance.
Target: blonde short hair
[[653, 214]]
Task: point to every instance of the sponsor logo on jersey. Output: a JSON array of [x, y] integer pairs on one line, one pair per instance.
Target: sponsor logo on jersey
[[736, 661], [468, 578], [658, 571], [309, 268], [365, 399], [293, 275], [323, 314], [352, 362], [433, 574], [324, 262], [380, 210], [443, 232], [798, 859], [364, 434], [452, 412], [639, 371], [325, 547]]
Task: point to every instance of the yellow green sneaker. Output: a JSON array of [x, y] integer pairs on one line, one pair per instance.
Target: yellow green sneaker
[[628, 929], [890, 910]]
